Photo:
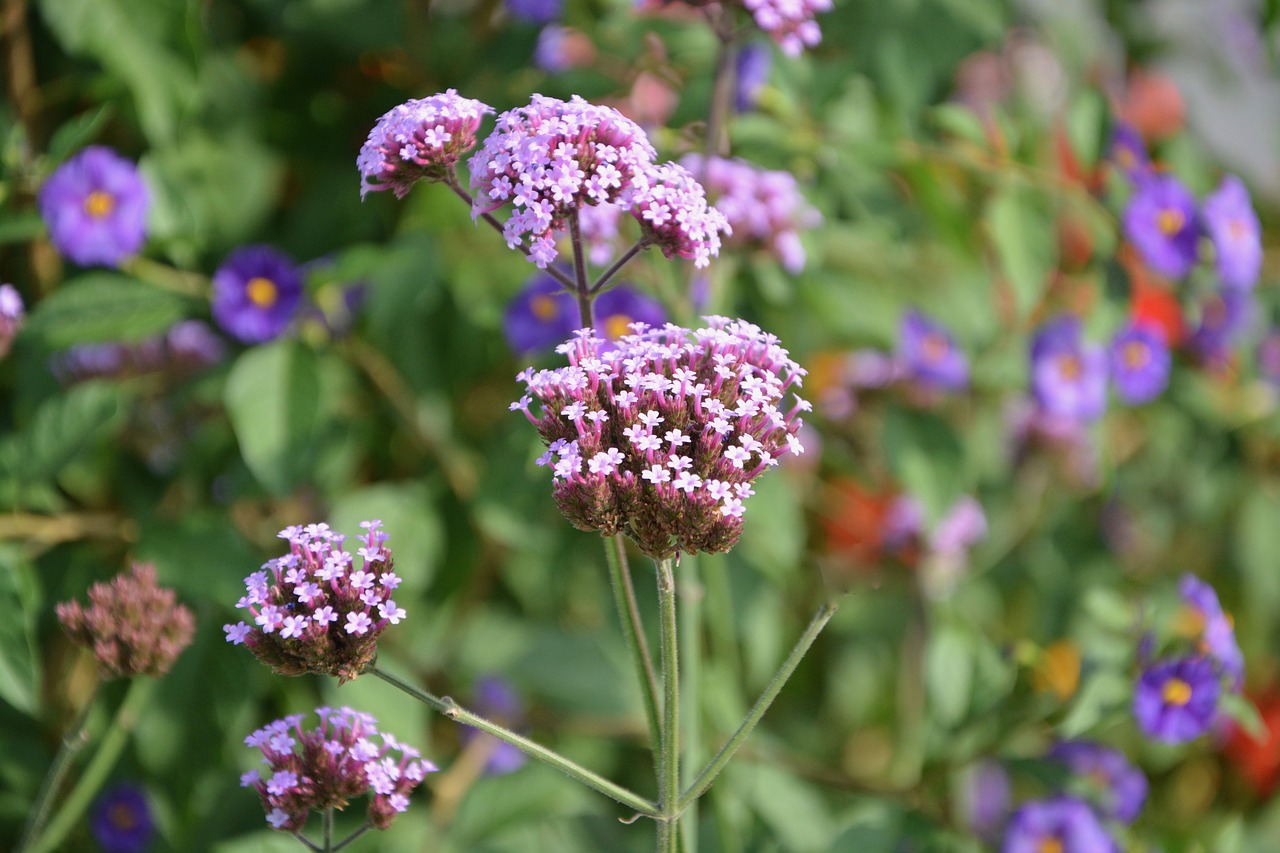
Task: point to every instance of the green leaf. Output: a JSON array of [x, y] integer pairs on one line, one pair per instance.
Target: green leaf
[[1023, 233], [78, 132], [1102, 693], [104, 306], [948, 667], [18, 658], [1245, 714], [960, 121], [20, 227], [791, 808], [62, 425], [272, 398], [926, 457]]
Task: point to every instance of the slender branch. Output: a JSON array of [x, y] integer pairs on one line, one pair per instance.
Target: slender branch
[[457, 713], [581, 290], [640, 245], [365, 827], [326, 822], [690, 695], [20, 71], [73, 741], [309, 844], [66, 527], [624, 597], [669, 762], [709, 773], [721, 90]]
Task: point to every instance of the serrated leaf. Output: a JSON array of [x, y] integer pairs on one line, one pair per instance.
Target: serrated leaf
[[103, 306], [272, 398]]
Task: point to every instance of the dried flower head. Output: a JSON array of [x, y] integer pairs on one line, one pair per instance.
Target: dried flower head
[[420, 140], [314, 610], [661, 434], [133, 626], [328, 766]]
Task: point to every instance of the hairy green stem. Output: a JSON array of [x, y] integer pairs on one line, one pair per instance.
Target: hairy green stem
[[365, 827], [73, 741], [624, 598], [457, 713], [669, 760], [691, 678], [709, 773], [639, 246], [582, 290]]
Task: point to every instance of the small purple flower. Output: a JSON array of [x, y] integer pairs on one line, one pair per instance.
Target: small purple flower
[[498, 701], [541, 316], [537, 12], [753, 65], [1068, 375], [1176, 700], [121, 820], [671, 207], [12, 315], [324, 768], [1128, 151], [1233, 228], [419, 140], [256, 292], [986, 796], [1058, 825], [1212, 627], [550, 53], [618, 308], [1140, 364], [964, 526], [194, 345], [1161, 221], [95, 207], [790, 23], [929, 355], [1224, 318], [1118, 788]]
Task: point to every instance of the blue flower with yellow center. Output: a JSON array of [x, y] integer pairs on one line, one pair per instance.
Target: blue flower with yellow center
[[256, 293]]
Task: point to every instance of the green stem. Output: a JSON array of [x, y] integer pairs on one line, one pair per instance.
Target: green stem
[[624, 597], [639, 246], [353, 836], [327, 829], [582, 290], [72, 742], [691, 678], [99, 767], [457, 713], [669, 760], [708, 775]]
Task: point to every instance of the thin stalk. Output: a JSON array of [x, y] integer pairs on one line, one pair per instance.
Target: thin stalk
[[72, 742], [457, 713], [721, 90], [639, 246], [327, 829], [308, 843], [99, 767], [691, 678], [708, 775], [582, 291], [624, 597], [669, 761], [365, 827]]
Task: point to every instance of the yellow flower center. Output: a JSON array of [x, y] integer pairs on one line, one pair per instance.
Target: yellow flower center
[[934, 347], [1135, 355], [1125, 157], [616, 326], [1170, 221], [1050, 845], [544, 308], [261, 291], [1237, 230], [1176, 692], [99, 204], [1070, 368]]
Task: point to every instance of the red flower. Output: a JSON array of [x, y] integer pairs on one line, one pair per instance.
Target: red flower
[[1258, 761]]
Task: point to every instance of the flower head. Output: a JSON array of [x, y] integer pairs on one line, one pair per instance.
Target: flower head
[[326, 767], [1118, 788], [673, 213], [95, 207], [1177, 700], [986, 798], [133, 626], [1233, 229], [1128, 151], [929, 355], [255, 293], [1212, 628], [121, 820], [1161, 221], [1060, 825], [12, 315], [790, 23], [1225, 316], [1140, 363], [1068, 375], [419, 140], [542, 315], [551, 158], [661, 435], [317, 609]]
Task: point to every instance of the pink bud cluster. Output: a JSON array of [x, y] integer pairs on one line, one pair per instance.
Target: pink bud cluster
[[134, 626], [764, 207], [330, 765], [314, 609], [790, 23], [660, 434], [419, 140], [550, 159], [673, 213]]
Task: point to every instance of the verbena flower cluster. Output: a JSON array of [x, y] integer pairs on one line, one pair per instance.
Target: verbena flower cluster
[[790, 23], [763, 207], [328, 766], [316, 609], [95, 207], [186, 347], [421, 139], [662, 436], [673, 213], [133, 625]]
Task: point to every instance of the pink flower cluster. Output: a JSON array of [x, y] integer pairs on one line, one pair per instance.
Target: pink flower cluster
[[314, 610], [419, 140], [661, 435], [331, 765], [790, 23], [673, 213], [764, 207]]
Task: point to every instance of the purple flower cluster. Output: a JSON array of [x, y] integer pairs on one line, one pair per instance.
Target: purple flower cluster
[[790, 23], [256, 293], [661, 436], [328, 766], [187, 347], [95, 207], [1069, 375], [133, 625], [763, 207], [419, 140], [314, 610], [12, 315], [673, 213], [1056, 825]]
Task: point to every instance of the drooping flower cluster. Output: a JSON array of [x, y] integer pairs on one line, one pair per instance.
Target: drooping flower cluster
[[133, 625], [673, 213], [12, 315], [95, 207], [551, 158], [662, 436], [185, 348], [763, 207], [328, 766], [790, 23], [419, 140], [315, 609], [256, 293]]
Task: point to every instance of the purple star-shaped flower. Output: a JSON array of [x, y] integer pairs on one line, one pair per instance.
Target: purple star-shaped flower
[[929, 355], [1216, 633], [1176, 700], [1140, 363], [541, 316], [1119, 787], [1161, 221], [1068, 375], [1061, 824], [618, 308], [95, 207], [121, 820], [1128, 151], [256, 292], [1233, 229]]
